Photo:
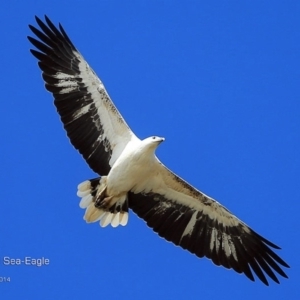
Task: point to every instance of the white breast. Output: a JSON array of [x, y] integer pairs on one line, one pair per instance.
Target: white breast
[[132, 168]]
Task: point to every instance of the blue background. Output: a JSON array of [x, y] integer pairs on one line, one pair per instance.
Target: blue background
[[220, 81]]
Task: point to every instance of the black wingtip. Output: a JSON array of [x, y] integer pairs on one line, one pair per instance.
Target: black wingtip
[[37, 19], [52, 28], [285, 265], [50, 24], [47, 19]]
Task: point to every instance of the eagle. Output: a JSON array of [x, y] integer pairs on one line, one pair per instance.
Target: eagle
[[130, 174]]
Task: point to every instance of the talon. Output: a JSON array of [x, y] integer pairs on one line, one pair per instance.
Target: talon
[[103, 203]]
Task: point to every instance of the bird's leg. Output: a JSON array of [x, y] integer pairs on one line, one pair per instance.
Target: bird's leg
[[102, 200]]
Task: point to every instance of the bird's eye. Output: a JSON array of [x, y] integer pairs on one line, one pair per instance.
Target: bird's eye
[[154, 137]]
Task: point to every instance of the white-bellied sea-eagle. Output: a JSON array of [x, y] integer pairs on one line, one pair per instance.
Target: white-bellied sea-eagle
[[131, 176]]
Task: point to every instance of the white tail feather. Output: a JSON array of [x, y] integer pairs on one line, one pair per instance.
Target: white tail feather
[[86, 201], [82, 194], [124, 218], [106, 219], [84, 186], [115, 220], [92, 214]]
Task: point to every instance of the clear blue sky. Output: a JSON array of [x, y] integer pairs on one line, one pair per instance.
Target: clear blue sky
[[220, 81]]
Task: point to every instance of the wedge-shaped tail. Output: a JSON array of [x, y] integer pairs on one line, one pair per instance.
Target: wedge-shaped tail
[[99, 207]]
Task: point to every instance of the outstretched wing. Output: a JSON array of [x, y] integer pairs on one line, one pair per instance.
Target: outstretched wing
[[93, 123], [190, 219]]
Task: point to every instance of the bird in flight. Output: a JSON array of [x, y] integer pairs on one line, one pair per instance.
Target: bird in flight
[[131, 176]]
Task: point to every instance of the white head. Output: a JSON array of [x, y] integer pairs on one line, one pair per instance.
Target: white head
[[152, 142]]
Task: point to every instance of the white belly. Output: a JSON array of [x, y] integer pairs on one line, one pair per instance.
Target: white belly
[[132, 168]]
